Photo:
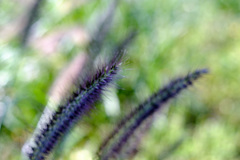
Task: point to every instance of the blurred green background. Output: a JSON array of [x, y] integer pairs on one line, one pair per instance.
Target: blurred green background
[[173, 38]]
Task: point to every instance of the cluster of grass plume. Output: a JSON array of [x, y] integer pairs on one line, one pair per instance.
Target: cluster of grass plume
[[123, 142], [49, 133]]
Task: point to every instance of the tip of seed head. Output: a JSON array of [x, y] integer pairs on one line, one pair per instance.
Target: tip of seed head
[[203, 71]]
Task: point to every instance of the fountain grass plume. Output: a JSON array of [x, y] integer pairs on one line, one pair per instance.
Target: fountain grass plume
[[114, 147], [49, 133], [103, 28], [32, 16]]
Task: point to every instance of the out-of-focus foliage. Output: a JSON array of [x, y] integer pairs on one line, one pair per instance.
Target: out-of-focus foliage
[[173, 37]]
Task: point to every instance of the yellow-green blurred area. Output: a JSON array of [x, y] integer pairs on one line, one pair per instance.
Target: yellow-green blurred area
[[173, 37]]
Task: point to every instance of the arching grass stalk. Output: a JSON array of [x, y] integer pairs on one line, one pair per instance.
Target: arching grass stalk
[[115, 146], [49, 133]]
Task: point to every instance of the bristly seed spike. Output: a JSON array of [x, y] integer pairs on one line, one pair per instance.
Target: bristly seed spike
[[114, 146], [76, 106]]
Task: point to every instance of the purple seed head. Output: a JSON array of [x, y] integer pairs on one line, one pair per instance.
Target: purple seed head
[[114, 146], [50, 133]]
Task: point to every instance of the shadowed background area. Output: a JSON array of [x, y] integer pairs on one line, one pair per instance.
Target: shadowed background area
[[46, 46]]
